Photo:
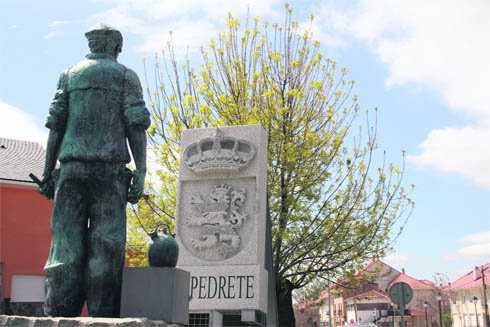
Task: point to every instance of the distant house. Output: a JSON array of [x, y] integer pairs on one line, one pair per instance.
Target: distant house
[[469, 295], [424, 292], [369, 301], [24, 228], [365, 307], [309, 316]]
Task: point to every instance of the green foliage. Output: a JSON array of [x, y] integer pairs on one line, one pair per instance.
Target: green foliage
[[147, 216], [447, 320], [330, 210]]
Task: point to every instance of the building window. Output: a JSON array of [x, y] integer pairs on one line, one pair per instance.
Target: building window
[[198, 320]]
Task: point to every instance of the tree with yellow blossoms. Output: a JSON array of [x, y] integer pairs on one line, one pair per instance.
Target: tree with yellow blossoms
[[331, 210]]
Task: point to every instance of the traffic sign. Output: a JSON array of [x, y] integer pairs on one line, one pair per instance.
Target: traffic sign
[[401, 293]]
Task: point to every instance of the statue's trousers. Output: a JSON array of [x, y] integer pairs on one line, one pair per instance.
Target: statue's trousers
[[88, 226]]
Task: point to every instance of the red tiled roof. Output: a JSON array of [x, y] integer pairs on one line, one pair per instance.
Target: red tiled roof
[[358, 273], [413, 283], [366, 267], [427, 282], [467, 280], [324, 293]]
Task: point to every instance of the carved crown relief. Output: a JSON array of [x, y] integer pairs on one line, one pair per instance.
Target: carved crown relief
[[220, 216], [218, 154], [216, 221]]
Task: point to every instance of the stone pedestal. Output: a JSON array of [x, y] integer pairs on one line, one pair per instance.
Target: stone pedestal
[[222, 224], [156, 293], [22, 321]]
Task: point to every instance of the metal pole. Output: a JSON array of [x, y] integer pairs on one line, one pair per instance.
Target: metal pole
[[448, 282], [329, 305], [403, 316], [393, 316], [475, 299], [426, 322], [484, 295], [440, 314], [355, 310]]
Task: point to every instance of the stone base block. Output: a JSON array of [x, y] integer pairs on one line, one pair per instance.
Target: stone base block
[[156, 293], [21, 321]]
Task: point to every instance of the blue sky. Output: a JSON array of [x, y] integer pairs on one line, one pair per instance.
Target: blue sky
[[423, 64]]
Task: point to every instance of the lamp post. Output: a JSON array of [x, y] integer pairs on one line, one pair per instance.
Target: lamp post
[[425, 308], [440, 277], [393, 314], [475, 300], [439, 298]]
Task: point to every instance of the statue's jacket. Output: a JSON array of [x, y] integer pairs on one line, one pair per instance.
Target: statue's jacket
[[96, 102]]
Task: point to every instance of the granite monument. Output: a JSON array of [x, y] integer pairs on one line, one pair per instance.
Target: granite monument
[[222, 223]]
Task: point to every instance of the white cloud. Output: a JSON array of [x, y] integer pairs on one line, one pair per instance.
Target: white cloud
[[396, 259], [477, 248], [475, 251], [439, 44], [477, 238], [192, 22], [326, 23], [16, 124], [459, 150], [56, 27]]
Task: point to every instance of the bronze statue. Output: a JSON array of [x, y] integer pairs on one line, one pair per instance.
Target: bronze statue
[[98, 106]]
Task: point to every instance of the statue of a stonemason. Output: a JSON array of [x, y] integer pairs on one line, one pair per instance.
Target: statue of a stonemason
[[98, 105]]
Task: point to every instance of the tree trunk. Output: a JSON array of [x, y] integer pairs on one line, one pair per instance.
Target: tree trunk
[[284, 295]]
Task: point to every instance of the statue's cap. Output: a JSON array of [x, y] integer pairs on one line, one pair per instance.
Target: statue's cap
[[100, 29]]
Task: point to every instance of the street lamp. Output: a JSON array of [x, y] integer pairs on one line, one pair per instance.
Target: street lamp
[[475, 299], [425, 308], [439, 298]]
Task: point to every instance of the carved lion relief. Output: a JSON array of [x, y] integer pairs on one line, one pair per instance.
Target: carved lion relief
[[216, 221], [219, 218]]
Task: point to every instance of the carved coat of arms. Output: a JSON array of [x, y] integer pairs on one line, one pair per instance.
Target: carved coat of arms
[[218, 220]]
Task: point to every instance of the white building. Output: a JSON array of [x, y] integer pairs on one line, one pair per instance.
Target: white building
[[468, 298]]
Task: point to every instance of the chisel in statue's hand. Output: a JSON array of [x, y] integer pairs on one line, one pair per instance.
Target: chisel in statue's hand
[[46, 189], [35, 179]]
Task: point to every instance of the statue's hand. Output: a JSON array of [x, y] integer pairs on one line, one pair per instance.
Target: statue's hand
[[46, 188], [137, 186]]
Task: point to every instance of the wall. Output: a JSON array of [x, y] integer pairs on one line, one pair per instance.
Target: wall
[[338, 312], [429, 296], [24, 233], [365, 308], [463, 309], [324, 309], [386, 276], [307, 317]]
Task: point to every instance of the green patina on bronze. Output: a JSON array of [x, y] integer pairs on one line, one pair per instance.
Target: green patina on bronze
[[162, 250], [97, 109]]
